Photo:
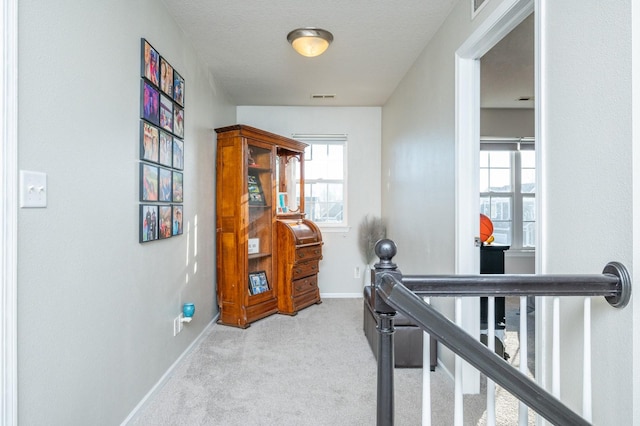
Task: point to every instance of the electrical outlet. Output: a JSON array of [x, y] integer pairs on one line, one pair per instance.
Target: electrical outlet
[[356, 272], [177, 325]]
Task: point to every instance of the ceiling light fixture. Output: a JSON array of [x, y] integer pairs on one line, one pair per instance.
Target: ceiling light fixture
[[310, 42]]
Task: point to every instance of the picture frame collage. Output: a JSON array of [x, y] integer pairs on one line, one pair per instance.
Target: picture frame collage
[[162, 90]]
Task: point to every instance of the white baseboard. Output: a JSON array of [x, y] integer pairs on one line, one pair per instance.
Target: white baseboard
[[340, 295], [446, 371], [168, 373]]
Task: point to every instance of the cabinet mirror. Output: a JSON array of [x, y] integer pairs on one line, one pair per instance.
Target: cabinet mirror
[[289, 172]]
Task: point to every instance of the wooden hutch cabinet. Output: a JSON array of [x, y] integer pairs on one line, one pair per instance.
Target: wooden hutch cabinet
[[262, 235]]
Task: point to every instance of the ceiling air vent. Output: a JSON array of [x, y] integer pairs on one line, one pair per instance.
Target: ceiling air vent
[[320, 96]]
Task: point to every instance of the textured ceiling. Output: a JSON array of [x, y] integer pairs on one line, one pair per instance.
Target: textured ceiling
[[243, 42]]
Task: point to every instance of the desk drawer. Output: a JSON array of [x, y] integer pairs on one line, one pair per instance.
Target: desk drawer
[[305, 285], [304, 269], [307, 253]]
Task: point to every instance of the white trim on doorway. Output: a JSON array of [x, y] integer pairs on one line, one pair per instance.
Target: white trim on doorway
[[501, 21], [8, 231], [635, 114], [542, 310]]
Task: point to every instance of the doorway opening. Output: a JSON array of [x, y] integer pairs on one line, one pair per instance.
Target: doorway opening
[[507, 16], [508, 180]]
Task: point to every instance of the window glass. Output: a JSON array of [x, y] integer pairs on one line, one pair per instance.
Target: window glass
[[507, 194], [528, 172], [498, 209], [528, 159], [528, 221], [325, 181], [528, 209], [484, 158], [529, 234], [500, 159], [484, 180], [495, 171], [500, 180]]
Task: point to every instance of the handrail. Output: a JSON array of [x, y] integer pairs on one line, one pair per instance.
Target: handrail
[[611, 284], [395, 292]]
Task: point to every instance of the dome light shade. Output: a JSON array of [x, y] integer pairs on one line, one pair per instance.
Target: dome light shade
[[310, 42]]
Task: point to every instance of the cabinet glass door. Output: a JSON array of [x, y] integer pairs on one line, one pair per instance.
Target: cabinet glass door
[[260, 244]]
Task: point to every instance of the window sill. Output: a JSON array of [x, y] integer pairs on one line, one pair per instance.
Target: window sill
[[333, 229]]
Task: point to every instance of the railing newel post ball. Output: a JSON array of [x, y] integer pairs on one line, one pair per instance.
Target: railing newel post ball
[[386, 249]]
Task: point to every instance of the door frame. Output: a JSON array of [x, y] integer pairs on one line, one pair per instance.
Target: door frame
[[8, 231], [494, 28]]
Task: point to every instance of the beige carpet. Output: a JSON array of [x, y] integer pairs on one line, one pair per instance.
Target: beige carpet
[[314, 368]]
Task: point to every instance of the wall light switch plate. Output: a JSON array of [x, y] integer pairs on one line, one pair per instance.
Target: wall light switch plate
[[33, 189]]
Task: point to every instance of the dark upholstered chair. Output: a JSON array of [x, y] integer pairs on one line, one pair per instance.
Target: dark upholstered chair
[[407, 337]]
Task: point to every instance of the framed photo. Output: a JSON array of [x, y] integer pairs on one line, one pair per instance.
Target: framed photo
[[166, 77], [148, 142], [254, 246], [256, 195], [177, 187], [178, 121], [166, 113], [177, 220], [258, 282], [165, 189], [164, 225], [178, 154], [148, 222], [166, 149], [178, 88], [150, 103], [148, 182], [150, 63]]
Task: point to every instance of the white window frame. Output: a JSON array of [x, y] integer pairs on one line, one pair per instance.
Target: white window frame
[[327, 139], [514, 146]]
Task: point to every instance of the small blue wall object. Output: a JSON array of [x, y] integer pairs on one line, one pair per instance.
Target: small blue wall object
[[188, 309]]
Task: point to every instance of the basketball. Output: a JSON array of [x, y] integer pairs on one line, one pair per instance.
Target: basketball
[[486, 227]]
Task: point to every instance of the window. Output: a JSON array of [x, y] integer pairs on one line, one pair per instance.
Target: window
[[325, 179], [507, 193]]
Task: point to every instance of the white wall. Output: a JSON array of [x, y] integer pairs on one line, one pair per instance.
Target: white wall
[[519, 262], [507, 123], [587, 194], [418, 150], [418, 157], [587, 175], [95, 307], [362, 125]]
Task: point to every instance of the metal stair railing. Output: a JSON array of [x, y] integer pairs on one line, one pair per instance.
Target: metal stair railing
[[395, 292]]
